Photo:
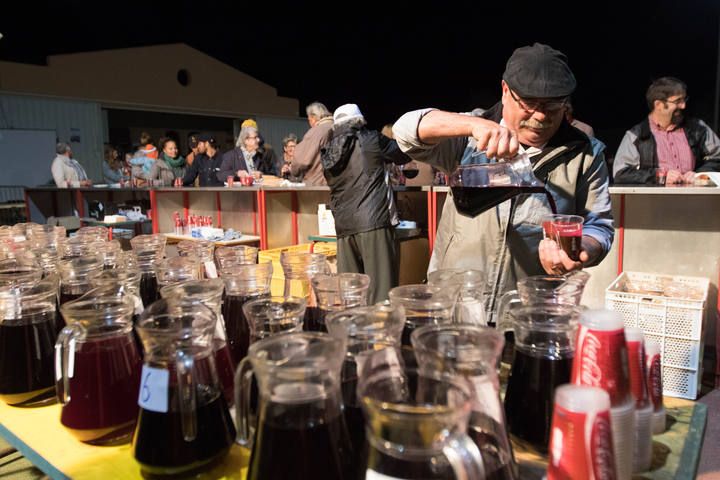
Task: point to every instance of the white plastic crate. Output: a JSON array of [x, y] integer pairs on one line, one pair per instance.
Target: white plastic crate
[[675, 323]]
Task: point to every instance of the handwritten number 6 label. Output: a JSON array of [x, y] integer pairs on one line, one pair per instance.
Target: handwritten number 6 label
[[154, 389]]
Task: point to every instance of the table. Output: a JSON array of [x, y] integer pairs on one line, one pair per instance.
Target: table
[[243, 240], [136, 225], [38, 435]]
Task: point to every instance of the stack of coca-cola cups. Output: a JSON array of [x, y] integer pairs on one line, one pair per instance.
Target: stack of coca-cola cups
[[581, 443], [653, 369], [601, 360], [642, 449]]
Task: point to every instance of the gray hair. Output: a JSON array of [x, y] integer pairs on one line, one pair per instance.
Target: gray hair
[[244, 133], [291, 137], [61, 148], [317, 110]]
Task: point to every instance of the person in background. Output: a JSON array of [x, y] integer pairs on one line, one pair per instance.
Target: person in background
[[667, 139], [362, 201], [307, 164], [506, 242], [113, 168], [289, 144], [245, 159], [144, 158], [66, 171], [206, 165], [582, 126], [169, 165], [192, 145], [265, 150]]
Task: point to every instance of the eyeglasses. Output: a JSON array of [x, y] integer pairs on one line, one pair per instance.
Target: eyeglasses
[[251, 138], [680, 100], [532, 106]]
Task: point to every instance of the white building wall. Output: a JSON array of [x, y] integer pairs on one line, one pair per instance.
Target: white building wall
[[76, 122]]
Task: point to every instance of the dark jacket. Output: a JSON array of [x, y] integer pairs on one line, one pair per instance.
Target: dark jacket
[[354, 166], [206, 168], [233, 160], [644, 141]]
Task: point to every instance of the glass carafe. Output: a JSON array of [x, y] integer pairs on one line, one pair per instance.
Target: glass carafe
[[19, 270], [365, 329], [203, 250], [184, 423], [127, 282], [174, 270], [424, 305], [472, 293], [298, 375], [79, 246], [544, 351], [337, 292], [97, 233], [416, 425], [27, 338], [209, 292], [480, 186], [77, 276], [272, 315], [243, 284], [299, 268], [473, 352], [227, 257], [110, 253], [97, 364], [149, 251]]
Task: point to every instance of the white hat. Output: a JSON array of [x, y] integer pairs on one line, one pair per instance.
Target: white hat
[[347, 112]]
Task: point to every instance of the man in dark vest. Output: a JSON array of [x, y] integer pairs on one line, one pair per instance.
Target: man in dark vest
[[667, 140]]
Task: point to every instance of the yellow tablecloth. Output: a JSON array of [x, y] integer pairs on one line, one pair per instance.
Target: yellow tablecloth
[[39, 436]]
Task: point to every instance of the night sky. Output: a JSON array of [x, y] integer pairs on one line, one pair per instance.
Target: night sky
[[389, 57]]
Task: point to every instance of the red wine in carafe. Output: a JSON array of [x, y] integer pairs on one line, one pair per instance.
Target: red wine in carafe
[[148, 288], [473, 201], [226, 371], [530, 394], [237, 326], [159, 445], [486, 433], [320, 447], [314, 320], [104, 390], [27, 369]]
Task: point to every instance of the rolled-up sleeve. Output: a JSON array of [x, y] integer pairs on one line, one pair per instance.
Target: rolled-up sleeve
[[444, 155], [597, 210]]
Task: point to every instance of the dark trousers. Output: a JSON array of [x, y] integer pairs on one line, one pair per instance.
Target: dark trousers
[[375, 253]]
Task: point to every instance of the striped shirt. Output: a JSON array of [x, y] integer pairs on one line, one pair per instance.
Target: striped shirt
[[673, 149]]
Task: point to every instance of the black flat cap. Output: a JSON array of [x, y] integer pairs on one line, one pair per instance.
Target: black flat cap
[[539, 71], [206, 137]]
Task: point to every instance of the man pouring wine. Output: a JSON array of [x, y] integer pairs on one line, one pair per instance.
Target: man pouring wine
[[506, 241]]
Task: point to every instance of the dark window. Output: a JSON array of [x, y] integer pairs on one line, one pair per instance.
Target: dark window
[[183, 77]]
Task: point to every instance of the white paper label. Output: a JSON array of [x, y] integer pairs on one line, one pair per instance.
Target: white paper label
[[154, 389], [373, 475], [210, 270], [138, 305]]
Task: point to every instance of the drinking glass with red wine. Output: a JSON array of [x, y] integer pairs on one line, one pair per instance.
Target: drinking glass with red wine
[[566, 230], [410, 170]]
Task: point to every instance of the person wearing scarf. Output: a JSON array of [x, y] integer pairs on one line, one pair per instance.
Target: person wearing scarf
[[169, 165]]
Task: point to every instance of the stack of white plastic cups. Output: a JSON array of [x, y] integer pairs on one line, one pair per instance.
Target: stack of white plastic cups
[[642, 449], [601, 361], [653, 368], [581, 443]]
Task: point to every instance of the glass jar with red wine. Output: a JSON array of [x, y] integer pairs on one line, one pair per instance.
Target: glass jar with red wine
[[204, 251], [336, 292], [184, 424], [209, 292], [149, 250], [299, 268], [243, 283], [98, 365], [77, 276], [28, 332]]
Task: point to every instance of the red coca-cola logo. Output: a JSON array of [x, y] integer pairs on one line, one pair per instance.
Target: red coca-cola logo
[[636, 361], [601, 448], [601, 361], [654, 380]]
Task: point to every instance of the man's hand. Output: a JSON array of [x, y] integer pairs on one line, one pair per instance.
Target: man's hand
[[86, 183], [555, 261], [242, 174], [495, 140], [285, 168], [674, 177]]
